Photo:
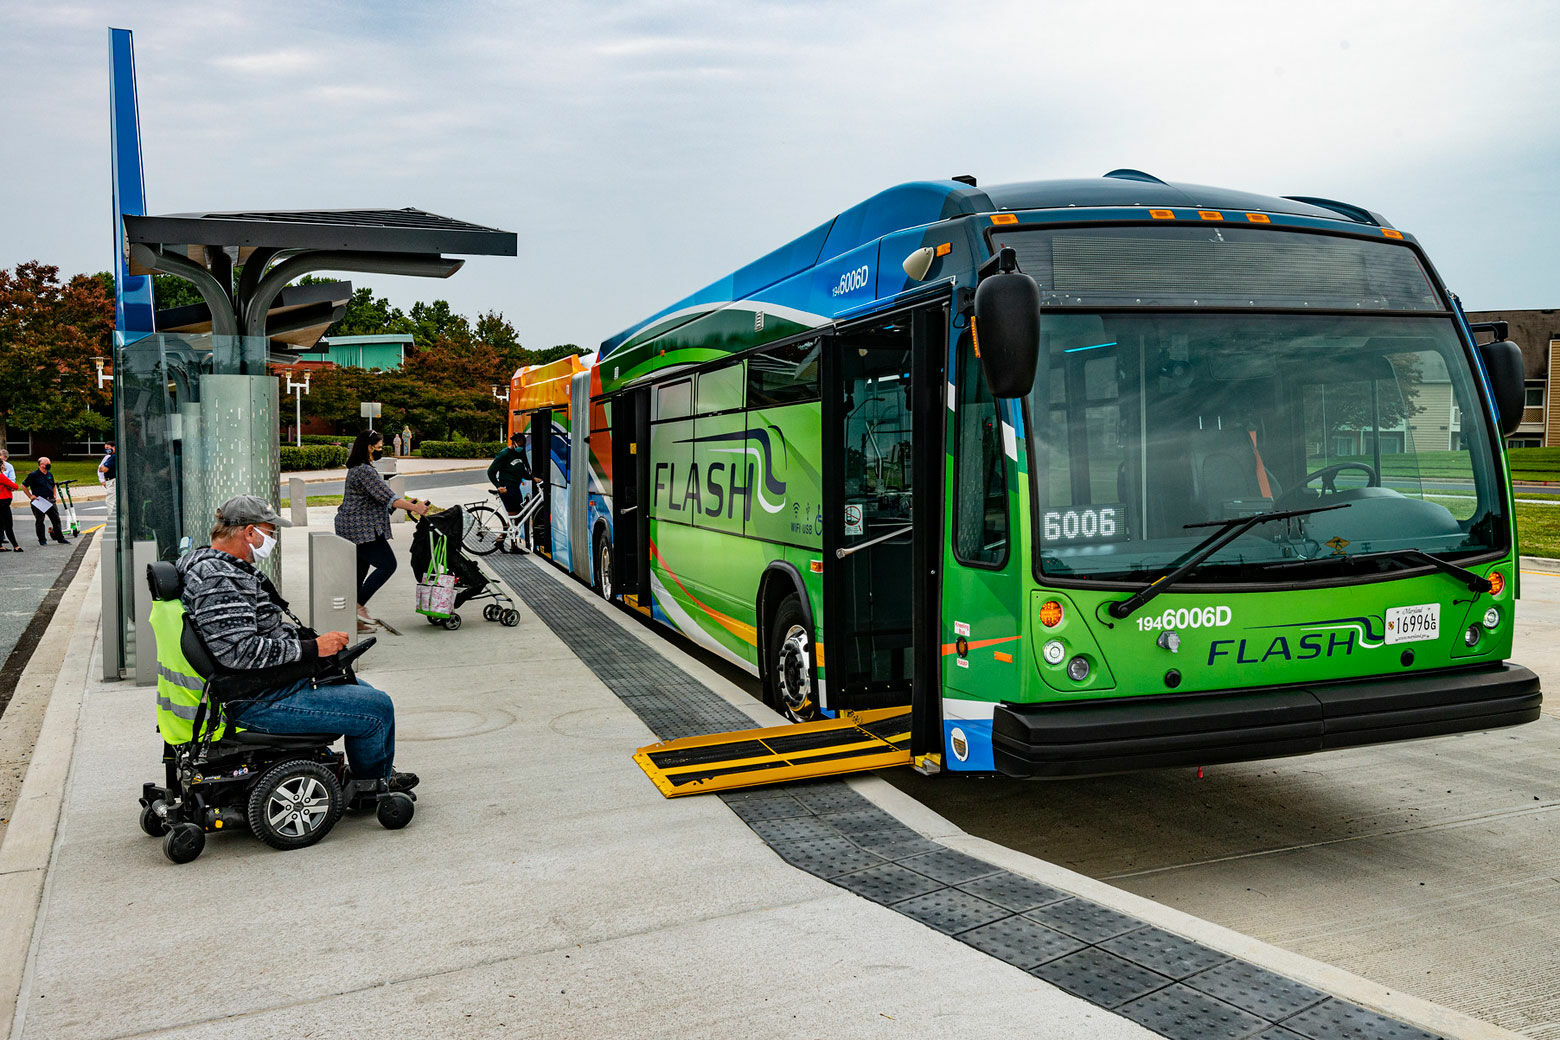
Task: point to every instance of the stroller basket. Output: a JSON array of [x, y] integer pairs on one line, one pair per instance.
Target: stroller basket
[[447, 578]]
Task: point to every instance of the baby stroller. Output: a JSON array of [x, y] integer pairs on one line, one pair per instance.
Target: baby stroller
[[448, 579]]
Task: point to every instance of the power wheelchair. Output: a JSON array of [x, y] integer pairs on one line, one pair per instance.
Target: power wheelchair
[[288, 789]]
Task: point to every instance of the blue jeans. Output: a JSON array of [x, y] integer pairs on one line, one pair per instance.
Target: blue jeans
[[364, 714]]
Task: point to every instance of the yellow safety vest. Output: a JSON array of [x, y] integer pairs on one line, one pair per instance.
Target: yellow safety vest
[[178, 684]]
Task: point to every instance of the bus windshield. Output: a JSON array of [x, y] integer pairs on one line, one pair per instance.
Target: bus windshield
[[1145, 422]]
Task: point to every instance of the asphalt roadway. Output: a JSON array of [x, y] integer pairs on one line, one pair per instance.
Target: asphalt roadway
[[1429, 865]]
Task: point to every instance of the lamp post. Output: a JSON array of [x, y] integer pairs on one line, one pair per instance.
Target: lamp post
[[503, 427], [298, 390]]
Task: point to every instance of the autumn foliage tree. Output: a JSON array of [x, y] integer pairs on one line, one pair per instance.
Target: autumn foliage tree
[[50, 334]]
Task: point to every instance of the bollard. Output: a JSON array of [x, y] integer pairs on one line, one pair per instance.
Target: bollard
[[113, 625], [397, 484], [387, 466], [298, 493], [332, 584], [142, 555]]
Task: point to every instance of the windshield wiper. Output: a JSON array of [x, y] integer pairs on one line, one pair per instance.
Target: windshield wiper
[[1474, 582], [1228, 531]]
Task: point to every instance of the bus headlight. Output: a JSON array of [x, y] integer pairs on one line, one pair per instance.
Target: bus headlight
[[1471, 637], [1078, 668], [1491, 618], [1054, 651]]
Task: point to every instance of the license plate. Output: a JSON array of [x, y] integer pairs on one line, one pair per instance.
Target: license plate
[[1413, 624]]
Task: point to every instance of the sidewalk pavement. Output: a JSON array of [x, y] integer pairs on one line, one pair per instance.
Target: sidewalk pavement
[[544, 889]]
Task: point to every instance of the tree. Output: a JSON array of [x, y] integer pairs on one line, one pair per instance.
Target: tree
[[50, 335], [432, 322], [369, 315]]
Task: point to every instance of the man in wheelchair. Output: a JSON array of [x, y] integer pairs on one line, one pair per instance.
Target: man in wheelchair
[[273, 696]]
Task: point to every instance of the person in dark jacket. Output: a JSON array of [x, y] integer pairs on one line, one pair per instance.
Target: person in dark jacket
[[242, 622], [509, 472], [40, 484], [364, 520]]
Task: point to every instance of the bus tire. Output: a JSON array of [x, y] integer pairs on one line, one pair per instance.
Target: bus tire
[[790, 665], [604, 567]]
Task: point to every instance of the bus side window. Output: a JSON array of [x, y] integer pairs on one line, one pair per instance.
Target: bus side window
[[784, 375], [980, 524], [674, 400]]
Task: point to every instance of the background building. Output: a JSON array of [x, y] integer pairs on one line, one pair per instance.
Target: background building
[[383, 353], [1538, 334]]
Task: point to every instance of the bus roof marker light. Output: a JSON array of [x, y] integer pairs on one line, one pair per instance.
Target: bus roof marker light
[[1259, 218], [1162, 214], [1392, 234], [1004, 218], [1210, 214], [944, 249], [1050, 613]]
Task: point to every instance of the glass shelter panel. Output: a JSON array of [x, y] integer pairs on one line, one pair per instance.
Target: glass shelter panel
[[196, 423]]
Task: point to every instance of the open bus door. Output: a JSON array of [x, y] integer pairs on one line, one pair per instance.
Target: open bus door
[[883, 417], [539, 443], [882, 505], [631, 479]]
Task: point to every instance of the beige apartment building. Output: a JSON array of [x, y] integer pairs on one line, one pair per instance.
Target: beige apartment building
[[1538, 334]]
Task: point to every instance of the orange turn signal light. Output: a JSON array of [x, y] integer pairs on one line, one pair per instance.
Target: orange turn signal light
[[1050, 613], [1391, 234], [1497, 582], [945, 249]]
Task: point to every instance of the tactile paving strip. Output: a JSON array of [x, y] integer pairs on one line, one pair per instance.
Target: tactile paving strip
[[1173, 986]]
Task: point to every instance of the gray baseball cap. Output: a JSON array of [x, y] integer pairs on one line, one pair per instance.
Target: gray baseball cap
[[241, 510]]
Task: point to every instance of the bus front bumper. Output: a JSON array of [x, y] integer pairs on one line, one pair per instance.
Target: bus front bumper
[[1150, 732]]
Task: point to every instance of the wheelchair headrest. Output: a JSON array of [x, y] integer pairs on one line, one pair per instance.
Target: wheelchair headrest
[[164, 579]]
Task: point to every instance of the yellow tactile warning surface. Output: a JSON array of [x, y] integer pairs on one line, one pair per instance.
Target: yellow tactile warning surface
[[855, 742]]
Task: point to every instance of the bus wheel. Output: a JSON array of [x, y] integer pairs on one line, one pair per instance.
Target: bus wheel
[[604, 567], [790, 662]]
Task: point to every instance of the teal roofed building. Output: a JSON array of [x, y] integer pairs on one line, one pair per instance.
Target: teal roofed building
[[383, 353]]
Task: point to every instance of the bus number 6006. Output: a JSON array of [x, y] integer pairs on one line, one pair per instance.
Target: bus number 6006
[[1090, 524]]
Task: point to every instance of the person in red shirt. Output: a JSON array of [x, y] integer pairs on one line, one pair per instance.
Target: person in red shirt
[[8, 489]]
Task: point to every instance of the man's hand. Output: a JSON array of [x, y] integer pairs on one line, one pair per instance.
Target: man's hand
[[332, 643], [503, 491]]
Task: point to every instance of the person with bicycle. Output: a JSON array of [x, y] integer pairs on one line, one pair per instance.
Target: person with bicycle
[[509, 472]]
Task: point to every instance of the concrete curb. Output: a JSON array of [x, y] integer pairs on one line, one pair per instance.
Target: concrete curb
[[1431, 1017], [1542, 564], [65, 652]]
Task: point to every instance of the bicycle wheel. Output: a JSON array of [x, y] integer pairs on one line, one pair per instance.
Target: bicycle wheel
[[484, 529]]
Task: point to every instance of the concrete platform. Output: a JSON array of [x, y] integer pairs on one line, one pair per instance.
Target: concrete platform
[[544, 889]]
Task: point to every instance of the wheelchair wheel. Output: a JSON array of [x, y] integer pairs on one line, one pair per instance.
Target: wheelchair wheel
[[151, 823], [184, 842], [484, 530], [294, 804], [395, 811], [491, 612], [452, 622], [511, 618]]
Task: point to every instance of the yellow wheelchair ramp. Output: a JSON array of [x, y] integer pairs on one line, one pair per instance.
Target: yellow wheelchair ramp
[[856, 742]]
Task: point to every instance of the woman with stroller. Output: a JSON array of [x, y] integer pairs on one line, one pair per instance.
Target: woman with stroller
[[364, 520]]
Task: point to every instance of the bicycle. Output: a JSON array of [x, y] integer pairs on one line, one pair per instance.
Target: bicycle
[[488, 529]]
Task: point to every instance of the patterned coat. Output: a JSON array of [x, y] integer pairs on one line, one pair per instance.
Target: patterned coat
[[365, 506], [241, 625]]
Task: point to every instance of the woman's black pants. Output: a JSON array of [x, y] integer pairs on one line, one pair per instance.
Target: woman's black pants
[[376, 562]]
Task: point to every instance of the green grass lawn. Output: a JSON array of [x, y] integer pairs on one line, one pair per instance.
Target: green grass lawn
[[315, 500], [82, 471], [1538, 530]]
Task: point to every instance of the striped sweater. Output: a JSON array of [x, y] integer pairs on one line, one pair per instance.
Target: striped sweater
[[242, 626]]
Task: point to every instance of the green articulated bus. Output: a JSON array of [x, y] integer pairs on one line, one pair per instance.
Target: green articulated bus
[[1093, 475]]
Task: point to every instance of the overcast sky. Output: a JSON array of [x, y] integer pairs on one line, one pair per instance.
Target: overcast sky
[[642, 150]]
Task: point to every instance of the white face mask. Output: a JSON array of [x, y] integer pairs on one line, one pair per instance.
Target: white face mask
[[266, 546]]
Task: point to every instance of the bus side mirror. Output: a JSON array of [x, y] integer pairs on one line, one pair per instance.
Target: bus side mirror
[[1503, 363], [1007, 327]]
